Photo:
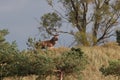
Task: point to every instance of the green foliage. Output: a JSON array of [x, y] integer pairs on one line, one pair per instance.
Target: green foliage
[[117, 7], [112, 69], [31, 63], [50, 22], [81, 38], [3, 33], [71, 63], [7, 52], [118, 37], [50, 19], [25, 64], [31, 43]]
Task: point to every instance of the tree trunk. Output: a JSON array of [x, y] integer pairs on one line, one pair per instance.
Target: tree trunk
[[61, 75]]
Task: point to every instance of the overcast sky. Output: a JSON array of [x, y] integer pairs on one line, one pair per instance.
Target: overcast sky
[[18, 16]]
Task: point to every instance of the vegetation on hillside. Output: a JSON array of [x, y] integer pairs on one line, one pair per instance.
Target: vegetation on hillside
[[96, 56], [38, 62], [112, 69], [118, 36], [7, 52], [80, 63], [114, 65]]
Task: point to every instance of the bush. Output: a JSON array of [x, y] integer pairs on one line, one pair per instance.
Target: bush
[[23, 65], [118, 37], [33, 62], [7, 53], [71, 63], [112, 69], [29, 63]]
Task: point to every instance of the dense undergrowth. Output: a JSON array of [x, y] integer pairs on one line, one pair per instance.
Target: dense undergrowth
[[96, 56], [43, 64], [86, 63]]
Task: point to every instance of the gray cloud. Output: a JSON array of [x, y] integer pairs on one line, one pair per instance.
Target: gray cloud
[[12, 5], [18, 16]]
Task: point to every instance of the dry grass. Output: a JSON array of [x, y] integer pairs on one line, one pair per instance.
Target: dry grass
[[97, 56]]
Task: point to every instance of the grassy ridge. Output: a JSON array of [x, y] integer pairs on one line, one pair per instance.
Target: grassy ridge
[[97, 56]]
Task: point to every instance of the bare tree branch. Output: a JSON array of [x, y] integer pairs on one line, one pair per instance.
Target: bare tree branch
[[76, 15], [61, 15]]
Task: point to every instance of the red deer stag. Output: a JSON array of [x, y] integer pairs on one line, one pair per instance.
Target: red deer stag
[[48, 43]]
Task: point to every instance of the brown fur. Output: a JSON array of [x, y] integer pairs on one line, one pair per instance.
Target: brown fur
[[48, 43]]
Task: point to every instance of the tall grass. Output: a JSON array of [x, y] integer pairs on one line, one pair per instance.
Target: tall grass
[[97, 56]]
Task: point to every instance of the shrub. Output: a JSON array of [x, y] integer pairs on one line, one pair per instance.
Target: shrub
[[112, 69], [71, 63], [7, 53], [118, 37], [30, 63]]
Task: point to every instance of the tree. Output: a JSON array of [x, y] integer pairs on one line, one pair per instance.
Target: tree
[[70, 64], [33, 62], [7, 51], [118, 37], [112, 69], [95, 20]]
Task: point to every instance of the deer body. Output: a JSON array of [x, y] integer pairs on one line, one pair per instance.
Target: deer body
[[48, 43]]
